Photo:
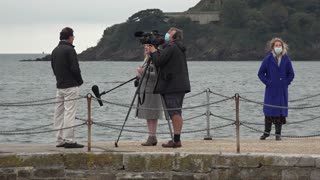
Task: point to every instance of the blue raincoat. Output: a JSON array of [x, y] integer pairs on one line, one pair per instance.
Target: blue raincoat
[[277, 79]]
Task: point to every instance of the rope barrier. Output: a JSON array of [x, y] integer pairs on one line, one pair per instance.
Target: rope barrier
[[286, 136], [279, 107], [156, 109], [38, 132]]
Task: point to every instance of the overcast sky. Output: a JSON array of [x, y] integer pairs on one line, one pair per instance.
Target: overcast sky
[[33, 26]]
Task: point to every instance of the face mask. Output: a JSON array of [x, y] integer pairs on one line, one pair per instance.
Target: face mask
[[167, 37], [278, 50]]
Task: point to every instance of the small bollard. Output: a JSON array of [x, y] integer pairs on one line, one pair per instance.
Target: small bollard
[[89, 122], [237, 97], [208, 114]]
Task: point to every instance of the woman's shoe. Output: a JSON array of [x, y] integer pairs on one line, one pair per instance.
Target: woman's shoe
[[151, 141]]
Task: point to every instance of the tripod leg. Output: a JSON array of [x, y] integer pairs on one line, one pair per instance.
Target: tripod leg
[[124, 123], [166, 114], [132, 102]]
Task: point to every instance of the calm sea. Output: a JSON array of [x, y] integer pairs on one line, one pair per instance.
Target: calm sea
[[26, 81]]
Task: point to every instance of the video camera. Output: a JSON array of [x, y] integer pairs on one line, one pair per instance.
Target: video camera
[[153, 37]]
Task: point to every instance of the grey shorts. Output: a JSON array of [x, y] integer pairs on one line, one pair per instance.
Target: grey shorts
[[173, 101]]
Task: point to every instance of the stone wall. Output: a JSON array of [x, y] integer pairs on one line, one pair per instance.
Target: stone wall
[[165, 166]]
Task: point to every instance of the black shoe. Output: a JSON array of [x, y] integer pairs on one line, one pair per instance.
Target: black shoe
[[263, 137], [60, 145], [278, 138], [73, 145]]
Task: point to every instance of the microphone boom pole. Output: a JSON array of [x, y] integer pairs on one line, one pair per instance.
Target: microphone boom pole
[[105, 92], [95, 90]]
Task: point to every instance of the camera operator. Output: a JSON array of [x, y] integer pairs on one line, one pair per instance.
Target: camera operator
[[173, 79]]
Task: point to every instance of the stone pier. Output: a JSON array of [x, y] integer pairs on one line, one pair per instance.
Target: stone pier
[[199, 160]]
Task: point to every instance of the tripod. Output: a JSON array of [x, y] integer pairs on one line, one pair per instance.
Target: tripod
[[133, 100]]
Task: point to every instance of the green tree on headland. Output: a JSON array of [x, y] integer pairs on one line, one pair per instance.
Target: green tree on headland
[[233, 13]]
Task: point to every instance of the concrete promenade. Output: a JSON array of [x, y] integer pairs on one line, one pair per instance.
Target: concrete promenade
[[216, 146]]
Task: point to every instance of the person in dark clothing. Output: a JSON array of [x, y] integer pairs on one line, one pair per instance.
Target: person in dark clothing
[[277, 73], [173, 79], [66, 69]]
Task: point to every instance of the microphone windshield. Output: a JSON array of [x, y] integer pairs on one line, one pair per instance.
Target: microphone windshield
[[95, 90], [138, 34]]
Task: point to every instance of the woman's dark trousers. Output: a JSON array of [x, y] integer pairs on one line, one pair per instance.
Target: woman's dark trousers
[[268, 127]]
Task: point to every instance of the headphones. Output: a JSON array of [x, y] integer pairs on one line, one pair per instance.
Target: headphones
[[175, 35]]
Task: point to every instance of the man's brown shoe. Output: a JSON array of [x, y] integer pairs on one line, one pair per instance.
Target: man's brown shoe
[[171, 144]]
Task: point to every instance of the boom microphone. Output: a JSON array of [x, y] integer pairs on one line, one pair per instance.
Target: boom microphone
[[138, 34], [95, 90]]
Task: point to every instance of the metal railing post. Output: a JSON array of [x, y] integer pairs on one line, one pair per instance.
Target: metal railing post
[[208, 114], [89, 122], [237, 97]]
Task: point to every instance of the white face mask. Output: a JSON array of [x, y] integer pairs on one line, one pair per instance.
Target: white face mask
[[278, 50], [167, 37]]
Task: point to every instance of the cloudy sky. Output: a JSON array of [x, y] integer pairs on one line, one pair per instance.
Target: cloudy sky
[[33, 26]]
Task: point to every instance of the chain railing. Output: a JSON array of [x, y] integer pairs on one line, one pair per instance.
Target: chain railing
[[7, 133], [163, 109], [287, 123], [279, 107], [145, 132], [195, 95], [271, 134], [29, 129], [139, 126], [307, 97], [29, 102], [37, 102], [237, 122]]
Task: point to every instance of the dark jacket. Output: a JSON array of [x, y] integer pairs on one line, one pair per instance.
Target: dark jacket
[[277, 79], [173, 75], [65, 66]]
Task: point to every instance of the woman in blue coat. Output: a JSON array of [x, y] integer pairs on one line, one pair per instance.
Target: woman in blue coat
[[276, 73]]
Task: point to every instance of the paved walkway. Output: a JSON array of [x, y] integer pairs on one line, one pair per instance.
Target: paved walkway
[[286, 146]]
